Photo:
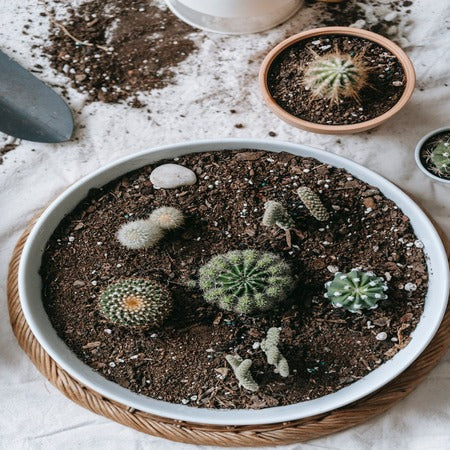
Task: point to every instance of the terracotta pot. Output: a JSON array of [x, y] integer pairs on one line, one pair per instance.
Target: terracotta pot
[[404, 60]]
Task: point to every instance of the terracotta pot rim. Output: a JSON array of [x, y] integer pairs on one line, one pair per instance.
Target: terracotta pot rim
[[404, 60]]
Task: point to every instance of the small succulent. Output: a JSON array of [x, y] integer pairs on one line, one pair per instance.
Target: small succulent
[[246, 282], [312, 202], [336, 76], [146, 233], [167, 218], [241, 369], [275, 214], [269, 345], [139, 234], [356, 290], [439, 157], [136, 302]]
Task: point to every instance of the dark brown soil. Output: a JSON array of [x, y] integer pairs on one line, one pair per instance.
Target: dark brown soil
[[348, 12], [184, 362], [132, 46], [427, 147], [386, 81]]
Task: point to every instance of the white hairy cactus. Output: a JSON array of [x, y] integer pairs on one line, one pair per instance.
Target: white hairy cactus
[[167, 218], [139, 234]]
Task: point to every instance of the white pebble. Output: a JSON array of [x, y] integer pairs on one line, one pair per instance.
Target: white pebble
[[107, 331], [381, 336], [112, 364], [256, 345], [170, 176], [153, 335], [185, 401], [410, 287], [418, 244]]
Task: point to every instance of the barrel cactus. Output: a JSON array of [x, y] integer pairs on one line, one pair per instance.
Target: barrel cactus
[[336, 76], [275, 214], [312, 202], [356, 290], [136, 302], [439, 157], [246, 282]]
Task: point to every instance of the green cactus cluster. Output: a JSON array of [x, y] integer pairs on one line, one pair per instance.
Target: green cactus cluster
[[439, 157], [356, 290], [247, 281], [336, 76], [136, 303], [313, 203]]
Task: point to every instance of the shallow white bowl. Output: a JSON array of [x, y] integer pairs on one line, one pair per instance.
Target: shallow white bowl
[[30, 290]]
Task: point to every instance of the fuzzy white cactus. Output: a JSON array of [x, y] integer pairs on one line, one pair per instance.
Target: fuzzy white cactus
[[139, 234], [146, 233]]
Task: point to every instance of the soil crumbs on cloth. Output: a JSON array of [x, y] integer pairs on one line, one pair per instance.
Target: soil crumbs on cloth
[[118, 48], [184, 362], [386, 81]]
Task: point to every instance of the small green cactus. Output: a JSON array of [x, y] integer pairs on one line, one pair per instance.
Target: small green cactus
[[148, 232], [246, 282], [356, 290], [336, 76], [273, 354], [275, 214], [136, 302], [312, 202], [167, 218], [439, 157], [139, 234], [241, 369]]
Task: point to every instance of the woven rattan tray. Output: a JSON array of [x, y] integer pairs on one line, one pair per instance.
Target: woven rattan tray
[[258, 435]]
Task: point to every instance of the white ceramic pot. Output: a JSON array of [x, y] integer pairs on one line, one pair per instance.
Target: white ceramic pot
[[234, 16], [30, 290], [419, 148]]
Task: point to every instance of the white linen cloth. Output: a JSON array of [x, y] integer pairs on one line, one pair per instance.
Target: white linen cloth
[[34, 414]]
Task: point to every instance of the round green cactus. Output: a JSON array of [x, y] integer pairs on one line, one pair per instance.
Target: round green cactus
[[136, 302], [356, 290], [336, 76], [440, 158], [246, 282]]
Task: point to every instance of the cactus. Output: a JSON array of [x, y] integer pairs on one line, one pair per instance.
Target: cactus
[[439, 157], [276, 214], [136, 302], [246, 282], [336, 76], [241, 369], [139, 234], [356, 290], [274, 357], [167, 218], [312, 202], [148, 232]]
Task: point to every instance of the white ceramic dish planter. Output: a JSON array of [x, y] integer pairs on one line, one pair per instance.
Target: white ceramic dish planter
[[30, 290], [419, 148], [234, 16]]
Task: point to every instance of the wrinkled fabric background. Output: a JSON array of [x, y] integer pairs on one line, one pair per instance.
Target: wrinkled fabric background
[[34, 414]]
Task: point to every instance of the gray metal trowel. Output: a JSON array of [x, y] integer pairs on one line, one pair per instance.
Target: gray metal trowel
[[29, 109]]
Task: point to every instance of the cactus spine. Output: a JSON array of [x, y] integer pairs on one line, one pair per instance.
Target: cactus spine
[[356, 290], [312, 202], [246, 282], [273, 354], [439, 157], [336, 76], [136, 302], [241, 369]]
